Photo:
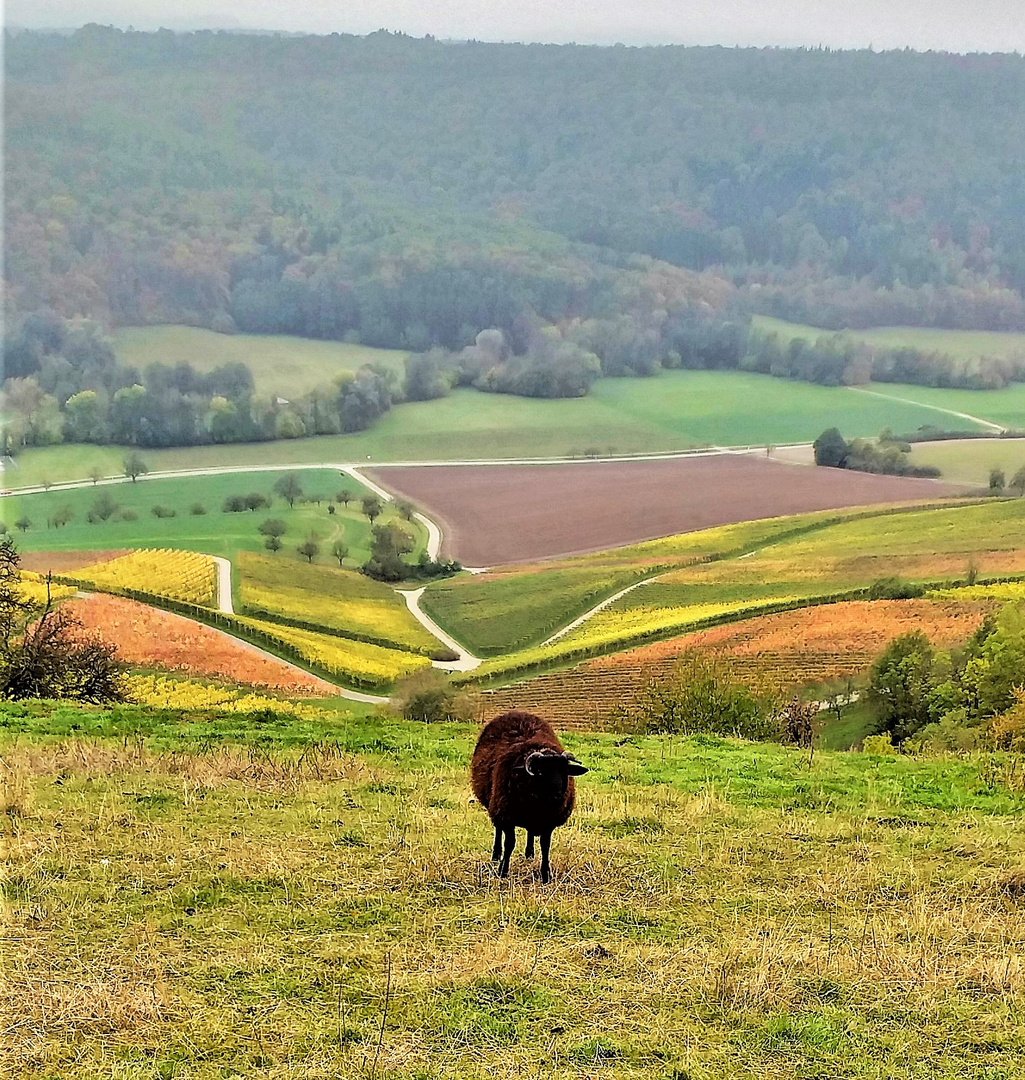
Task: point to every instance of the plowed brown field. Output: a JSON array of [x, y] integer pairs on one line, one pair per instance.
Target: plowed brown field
[[495, 514]]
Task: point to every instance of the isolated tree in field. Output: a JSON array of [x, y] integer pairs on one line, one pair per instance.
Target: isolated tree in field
[[95, 474], [23, 524], [272, 543], [256, 501], [372, 507], [135, 467], [309, 549], [273, 527], [234, 504], [405, 508], [42, 653], [344, 496], [997, 481], [289, 488], [59, 518], [1018, 482], [831, 449], [340, 550], [103, 509]]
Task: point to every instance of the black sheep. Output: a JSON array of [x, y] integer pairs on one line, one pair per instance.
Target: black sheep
[[523, 777]]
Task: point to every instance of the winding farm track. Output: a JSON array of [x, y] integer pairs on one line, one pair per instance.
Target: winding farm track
[[465, 661], [935, 408], [224, 601]]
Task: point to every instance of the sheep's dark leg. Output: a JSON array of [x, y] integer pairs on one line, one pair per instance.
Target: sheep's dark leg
[[529, 853], [510, 844], [496, 851], [546, 843]]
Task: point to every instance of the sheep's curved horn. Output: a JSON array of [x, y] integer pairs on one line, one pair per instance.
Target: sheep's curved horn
[[526, 763]]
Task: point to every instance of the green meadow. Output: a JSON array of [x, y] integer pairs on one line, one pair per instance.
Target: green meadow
[[287, 366], [214, 531], [970, 460], [964, 344], [676, 410], [193, 898]]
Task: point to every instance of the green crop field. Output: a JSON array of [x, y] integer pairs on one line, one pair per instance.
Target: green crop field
[[676, 410], [214, 532], [964, 344], [282, 365], [199, 897], [970, 460]]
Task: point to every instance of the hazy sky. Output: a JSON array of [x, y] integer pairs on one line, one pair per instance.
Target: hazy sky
[[955, 25]]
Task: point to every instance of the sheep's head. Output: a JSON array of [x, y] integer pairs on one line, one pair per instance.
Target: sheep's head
[[550, 763]]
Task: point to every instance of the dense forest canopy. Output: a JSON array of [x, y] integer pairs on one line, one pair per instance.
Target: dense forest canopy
[[606, 210]]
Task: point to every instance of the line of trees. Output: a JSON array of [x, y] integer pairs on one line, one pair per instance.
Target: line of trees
[[866, 455]]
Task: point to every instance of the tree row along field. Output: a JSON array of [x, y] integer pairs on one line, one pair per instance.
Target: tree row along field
[[759, 909], [822, 561], [676, 410]]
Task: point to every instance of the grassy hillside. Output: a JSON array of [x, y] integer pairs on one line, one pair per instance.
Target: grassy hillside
[[963, 344], [778, 559], [677, 410], [214, 532], [281, 365], [720, 910]]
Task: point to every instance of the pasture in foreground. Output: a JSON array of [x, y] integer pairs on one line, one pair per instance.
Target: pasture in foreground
[[199, 896], [677, 410]]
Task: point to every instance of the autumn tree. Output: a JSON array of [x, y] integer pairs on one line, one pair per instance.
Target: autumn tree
[[1018, 482], [372, 507], [309, 549], [289, 487], [43, 653], [135, 467]]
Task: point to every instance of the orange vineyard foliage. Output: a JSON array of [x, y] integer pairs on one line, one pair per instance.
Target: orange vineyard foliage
[[153, 638], [853, 632], [792, 649]]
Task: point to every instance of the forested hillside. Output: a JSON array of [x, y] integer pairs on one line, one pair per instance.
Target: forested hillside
[[607, 210]]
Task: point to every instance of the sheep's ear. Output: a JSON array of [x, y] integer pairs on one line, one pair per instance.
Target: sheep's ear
[[573, 767]]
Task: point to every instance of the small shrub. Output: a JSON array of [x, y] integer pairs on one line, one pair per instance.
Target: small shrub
[[234, 504], [197, 509], [160, 511], [894, 588], [128, 515], [878, 744]]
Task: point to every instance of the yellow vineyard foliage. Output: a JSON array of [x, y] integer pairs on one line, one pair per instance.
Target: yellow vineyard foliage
[[326, 596], [358, 661], [160, 692], [33, 588], [179, 575]]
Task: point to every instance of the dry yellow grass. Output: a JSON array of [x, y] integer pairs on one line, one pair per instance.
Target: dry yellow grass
[[719, 910]]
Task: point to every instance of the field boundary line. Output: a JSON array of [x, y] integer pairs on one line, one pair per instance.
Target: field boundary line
[[935, 408]]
